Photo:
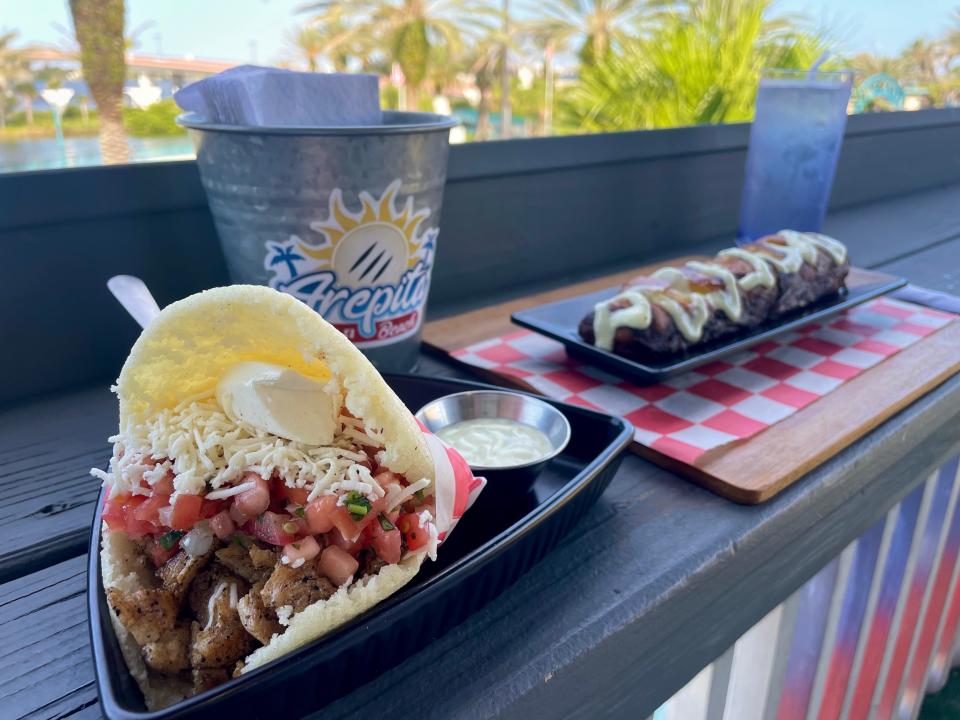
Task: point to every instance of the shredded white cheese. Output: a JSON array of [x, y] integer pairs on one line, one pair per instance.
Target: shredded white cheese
[[212, 603], [230, 491], [346, 486], [233, 596], [284, 613], [203, 447], [398, 497]]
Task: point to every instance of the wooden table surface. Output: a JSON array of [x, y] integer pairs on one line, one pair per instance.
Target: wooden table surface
[[654, 583]]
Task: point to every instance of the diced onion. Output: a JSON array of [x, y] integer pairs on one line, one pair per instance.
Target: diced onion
[[199, 540]]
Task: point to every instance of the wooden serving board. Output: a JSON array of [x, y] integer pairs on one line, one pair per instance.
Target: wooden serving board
[[755, 469]]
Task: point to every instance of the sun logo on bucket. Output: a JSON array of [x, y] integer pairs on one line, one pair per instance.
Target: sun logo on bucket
[[370, 275]]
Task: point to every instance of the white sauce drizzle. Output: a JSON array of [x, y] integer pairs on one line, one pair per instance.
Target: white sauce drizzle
[[496, 442], [690, 318], [834, 248], [636, 315], [727, 299], [761, 274]]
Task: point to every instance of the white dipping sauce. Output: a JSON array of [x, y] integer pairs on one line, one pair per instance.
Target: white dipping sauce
[[496, 442]]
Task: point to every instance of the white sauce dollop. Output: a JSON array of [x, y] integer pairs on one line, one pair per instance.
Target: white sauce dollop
[[496, 442]]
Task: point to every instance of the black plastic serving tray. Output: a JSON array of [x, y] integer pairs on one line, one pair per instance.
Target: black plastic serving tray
[[499, 539], [559, 320]]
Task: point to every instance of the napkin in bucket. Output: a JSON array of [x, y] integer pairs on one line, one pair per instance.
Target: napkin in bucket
[[273, 97]]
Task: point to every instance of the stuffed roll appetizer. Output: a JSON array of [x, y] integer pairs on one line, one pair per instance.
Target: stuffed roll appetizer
[[677, 308]]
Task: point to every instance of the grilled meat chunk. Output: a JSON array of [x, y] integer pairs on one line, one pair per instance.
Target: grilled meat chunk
[[809, 283], [146, 613], [206, 584], [256, 618], [171, 653], [239, 559], [179, 571], [206, 678], [370, 564], [263, 558], [222, 640], [297, 587]]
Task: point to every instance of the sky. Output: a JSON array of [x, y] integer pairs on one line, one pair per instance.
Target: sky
[[257, 30]]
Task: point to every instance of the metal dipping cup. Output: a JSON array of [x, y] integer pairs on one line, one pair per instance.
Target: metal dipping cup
[[473, 404], [343, 218], [795, 141]]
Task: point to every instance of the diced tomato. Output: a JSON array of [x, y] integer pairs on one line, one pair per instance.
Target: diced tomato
[[186, 511], [386, 476], [256, 500], [269, 527], [164, 486], [320, 513], [298, 496], [209, 508], [415, 535], [113, 511], [240, 518], [306, 548], [156, 552], [344, 522], [385, 543], [147, 510], [133, 526], [222, 525], [337, 564], [351, 546]]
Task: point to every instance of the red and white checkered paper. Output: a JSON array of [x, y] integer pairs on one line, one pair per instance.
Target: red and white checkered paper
[[726, 400]]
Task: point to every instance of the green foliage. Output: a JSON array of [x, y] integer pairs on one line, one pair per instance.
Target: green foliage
[[389, 97], [412, 50], [157, 120], [700, 65]]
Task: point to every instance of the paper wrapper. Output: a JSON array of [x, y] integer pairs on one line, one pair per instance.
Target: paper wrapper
[[456, 487]]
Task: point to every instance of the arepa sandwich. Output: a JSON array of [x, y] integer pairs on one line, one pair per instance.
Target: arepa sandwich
[[266, 486]]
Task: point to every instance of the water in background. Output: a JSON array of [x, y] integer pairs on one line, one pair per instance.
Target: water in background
[[45, 153]]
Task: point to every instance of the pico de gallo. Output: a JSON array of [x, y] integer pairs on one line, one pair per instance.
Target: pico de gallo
[[234, 563]]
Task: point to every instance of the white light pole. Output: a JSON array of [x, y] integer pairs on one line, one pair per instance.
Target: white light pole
[[58, 99], [145, 93]]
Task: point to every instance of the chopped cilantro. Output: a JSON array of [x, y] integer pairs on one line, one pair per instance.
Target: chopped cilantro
[[357, 505], [168, 540]]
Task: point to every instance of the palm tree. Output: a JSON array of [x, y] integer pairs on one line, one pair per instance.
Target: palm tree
[[409, 29], [331, 41], [505, 114], [99, 25], [699, 65], [482, 61], [308, 43], [595, 25]]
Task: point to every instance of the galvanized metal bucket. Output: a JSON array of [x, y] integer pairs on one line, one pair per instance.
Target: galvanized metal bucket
[[343, 218]]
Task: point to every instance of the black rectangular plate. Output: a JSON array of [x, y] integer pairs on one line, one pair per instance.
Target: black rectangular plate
[[494, 543], [559, 320]]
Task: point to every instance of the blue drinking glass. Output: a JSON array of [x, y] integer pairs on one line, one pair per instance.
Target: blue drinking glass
[[795, 141]]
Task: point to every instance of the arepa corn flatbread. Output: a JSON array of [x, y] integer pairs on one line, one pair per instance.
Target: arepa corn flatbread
[[266, 486]]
